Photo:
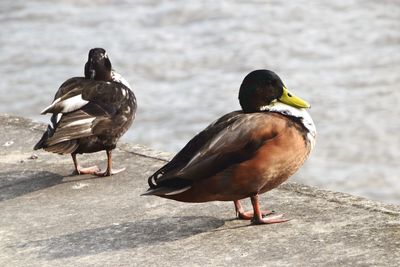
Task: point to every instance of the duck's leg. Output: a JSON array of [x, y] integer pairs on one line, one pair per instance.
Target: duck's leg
[[80, 170], [109, 171], [258, 218], [248, 215]]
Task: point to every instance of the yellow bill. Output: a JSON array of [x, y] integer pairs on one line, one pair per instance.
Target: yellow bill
[[292, 100]]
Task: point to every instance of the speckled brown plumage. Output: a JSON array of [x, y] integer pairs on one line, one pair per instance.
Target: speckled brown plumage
[[90, 113]]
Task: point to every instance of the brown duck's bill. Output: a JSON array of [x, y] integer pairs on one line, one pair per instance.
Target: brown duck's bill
[[292, 100]]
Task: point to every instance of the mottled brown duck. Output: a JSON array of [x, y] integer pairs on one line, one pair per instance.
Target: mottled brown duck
[[90, 114]]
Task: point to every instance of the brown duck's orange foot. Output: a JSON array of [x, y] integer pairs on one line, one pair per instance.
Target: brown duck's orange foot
[[270, 219], [88, 170], [108, 172], [248, 215], [258, 216]]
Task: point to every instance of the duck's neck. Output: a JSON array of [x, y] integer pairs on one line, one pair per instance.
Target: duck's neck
[[299, 113]]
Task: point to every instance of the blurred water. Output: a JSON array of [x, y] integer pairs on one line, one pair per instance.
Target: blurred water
[[186, 60]]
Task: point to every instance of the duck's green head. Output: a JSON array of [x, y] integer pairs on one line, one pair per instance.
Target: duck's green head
[[261, 87]]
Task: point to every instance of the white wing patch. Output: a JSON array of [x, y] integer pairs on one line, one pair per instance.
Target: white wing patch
[[59, 115], [73, 103], [67, 105], [80, 122], [54, 123]]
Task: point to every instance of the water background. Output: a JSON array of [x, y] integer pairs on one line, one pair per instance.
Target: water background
[[186, 60]]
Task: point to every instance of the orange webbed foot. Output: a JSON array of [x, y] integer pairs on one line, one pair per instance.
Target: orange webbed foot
[[278, 218], [108, 172], [248, 215], [87, 170], [258, 216]]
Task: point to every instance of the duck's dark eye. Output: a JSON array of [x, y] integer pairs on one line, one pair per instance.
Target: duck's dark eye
[[289, 95]]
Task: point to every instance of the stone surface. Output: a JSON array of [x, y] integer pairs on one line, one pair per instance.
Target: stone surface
[[52, 218]]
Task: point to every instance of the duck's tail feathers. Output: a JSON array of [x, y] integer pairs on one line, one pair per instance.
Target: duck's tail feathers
[[66, 147], [46, 135]]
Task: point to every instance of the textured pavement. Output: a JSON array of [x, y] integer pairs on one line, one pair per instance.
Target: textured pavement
[[50, 217]]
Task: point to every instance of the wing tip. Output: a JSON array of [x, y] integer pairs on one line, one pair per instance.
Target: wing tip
[[48, 108], [165, 191], [147, 193]]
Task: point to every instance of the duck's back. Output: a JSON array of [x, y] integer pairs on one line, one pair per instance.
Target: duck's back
[[88, 116]]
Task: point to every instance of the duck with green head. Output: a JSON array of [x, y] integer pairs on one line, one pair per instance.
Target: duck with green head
[[244, 153]]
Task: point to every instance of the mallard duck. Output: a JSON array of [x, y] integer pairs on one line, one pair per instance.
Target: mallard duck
[[90, 113], [244, 153]]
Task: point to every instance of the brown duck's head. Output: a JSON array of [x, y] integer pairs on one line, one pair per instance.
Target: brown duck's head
[[98, 67], [262, 87]]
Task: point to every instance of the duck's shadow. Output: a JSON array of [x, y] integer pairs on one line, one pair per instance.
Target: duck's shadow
[[15, 184], [123, 236]]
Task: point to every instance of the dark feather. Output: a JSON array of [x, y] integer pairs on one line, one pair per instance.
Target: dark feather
[[65, 147], [191, 148], [41, 144]]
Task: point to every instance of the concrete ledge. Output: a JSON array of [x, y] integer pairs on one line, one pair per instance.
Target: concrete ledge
[[52, 218]]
